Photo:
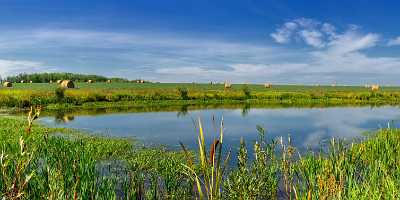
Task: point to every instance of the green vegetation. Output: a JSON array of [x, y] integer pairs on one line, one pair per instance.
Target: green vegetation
[[50, 163], [47, 77], [131, 94]]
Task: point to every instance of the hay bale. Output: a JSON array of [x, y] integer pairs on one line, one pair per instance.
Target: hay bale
[[30, 81], [227, 85], [22, 81], [67, 84], [50, 81], [7, 84], [374, 87], [59, 81], [90, 81], [268, 85], [108, 81]]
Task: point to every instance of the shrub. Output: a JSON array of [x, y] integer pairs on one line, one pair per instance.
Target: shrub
[[60, 93], [183, 93], [246, 91]]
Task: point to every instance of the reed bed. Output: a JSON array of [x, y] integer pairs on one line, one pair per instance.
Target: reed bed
[[52, 163]]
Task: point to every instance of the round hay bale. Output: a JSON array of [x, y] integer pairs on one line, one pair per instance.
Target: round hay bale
[[268, 85], [67, 84], [7, 84], [50, 81], [59, 81], [22, 81], [108, 81], [227, 85], [374, 87], [30, 81], [90, 81]]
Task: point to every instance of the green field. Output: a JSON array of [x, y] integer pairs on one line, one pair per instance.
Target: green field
[[131, 94]]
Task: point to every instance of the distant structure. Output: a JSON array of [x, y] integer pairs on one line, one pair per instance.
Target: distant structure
[[7, 84], [67, 84]]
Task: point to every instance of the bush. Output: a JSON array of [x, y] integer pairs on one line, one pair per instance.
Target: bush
[[183, 93], [60, 93], [246, 91]]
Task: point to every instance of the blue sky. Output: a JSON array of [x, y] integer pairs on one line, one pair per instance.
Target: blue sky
[[348, 42]]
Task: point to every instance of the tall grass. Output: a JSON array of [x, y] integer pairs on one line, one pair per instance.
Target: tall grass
[[50, 163]]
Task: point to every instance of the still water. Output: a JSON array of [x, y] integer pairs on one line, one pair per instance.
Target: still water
[[307, 127]]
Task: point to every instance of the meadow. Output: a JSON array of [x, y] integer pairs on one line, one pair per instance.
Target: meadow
[[38, 162], [23, 95]]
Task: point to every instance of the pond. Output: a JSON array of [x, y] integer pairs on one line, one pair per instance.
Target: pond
[[309, 128]]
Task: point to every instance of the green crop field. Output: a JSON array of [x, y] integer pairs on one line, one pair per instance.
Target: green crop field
[[197, 87], [113, 94]]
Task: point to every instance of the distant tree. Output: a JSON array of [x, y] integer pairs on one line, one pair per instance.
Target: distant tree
[[47, 77]]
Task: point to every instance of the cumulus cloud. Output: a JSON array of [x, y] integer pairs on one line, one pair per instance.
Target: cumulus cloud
[[9, 67], [394, 41], [312, 32], [335, 55]]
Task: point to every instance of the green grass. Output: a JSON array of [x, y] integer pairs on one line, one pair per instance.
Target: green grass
[[55, 163], [132, 94]]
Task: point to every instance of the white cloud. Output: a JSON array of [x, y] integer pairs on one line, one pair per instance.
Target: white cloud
[[283, 34], [10, 67], [312, 38], [394, 41], [335, 55]]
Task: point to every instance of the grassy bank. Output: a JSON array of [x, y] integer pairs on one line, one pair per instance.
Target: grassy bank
[[52, 163], [131, 94]]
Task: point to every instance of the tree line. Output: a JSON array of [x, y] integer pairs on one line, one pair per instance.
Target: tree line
[[47, 77]]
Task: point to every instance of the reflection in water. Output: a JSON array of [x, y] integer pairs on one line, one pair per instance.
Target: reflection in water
[[307, 126], [62, 117], [183, 111], [245, 110]]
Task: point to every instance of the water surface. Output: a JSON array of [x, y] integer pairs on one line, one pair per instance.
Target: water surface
[[308, 127]]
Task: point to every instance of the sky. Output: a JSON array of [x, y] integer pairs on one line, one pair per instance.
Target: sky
[[253, 41]]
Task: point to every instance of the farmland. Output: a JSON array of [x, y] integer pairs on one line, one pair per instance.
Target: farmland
[[130, 94]]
